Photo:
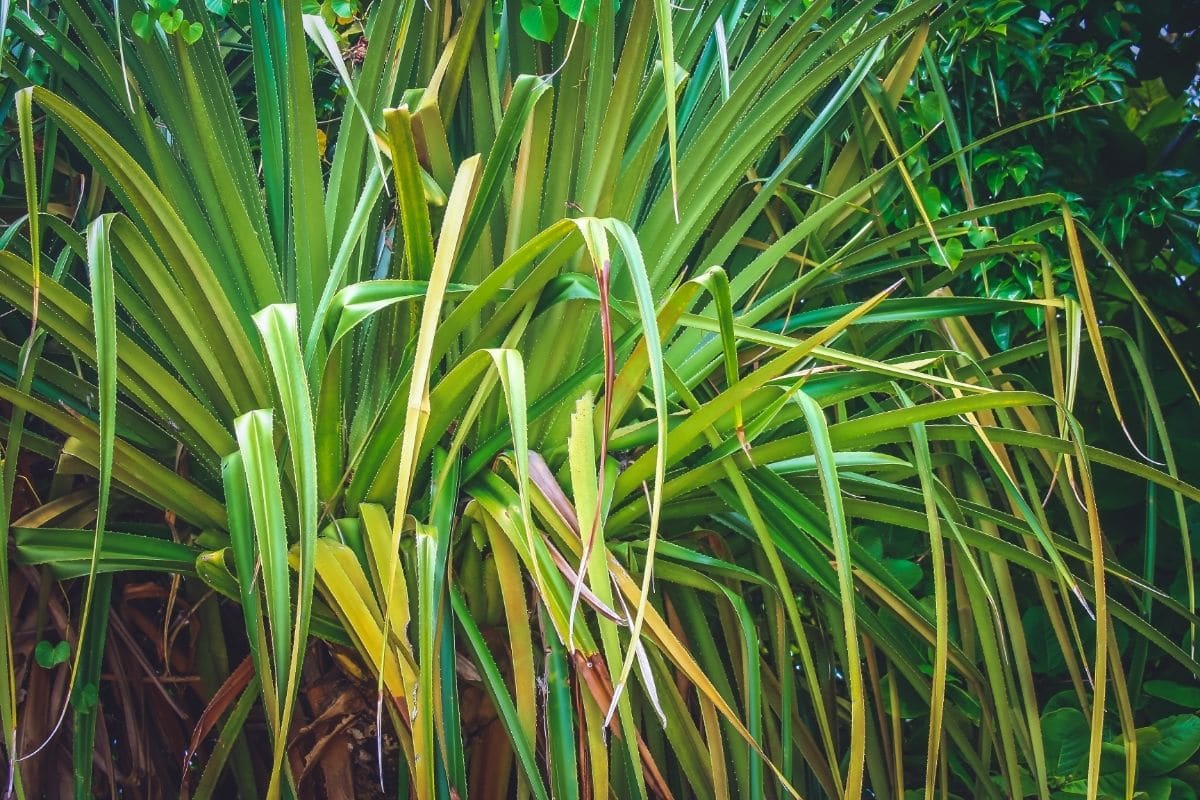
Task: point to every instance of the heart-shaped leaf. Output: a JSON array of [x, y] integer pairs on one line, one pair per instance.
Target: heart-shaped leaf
[[192, 33], [540, 21], [167, 6], [85, 698], [949, 255], [171, 21], [49, 655], [218, 7], [141, 24]]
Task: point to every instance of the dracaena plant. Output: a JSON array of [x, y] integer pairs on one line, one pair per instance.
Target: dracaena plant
[[585, 376]]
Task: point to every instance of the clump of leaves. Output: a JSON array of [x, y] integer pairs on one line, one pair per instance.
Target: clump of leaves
[[682, 452], [165, 16]]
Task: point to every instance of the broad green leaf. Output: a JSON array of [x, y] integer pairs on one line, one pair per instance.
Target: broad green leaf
[[1178, 693], [539, 19], [1173, 742], [1064, 737]]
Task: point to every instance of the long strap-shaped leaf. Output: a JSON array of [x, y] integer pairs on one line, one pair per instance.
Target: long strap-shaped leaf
[[414, 427], [418, 398], [524, 96], [245, 558], [308, 237], [594, 236], [410, 196], [104, 315], [280, 330], [832, 489], [134, 470], [666, 45], [498, 691], [91, 642], [924, 465], [28, 357], [257, 447], [664, 637]]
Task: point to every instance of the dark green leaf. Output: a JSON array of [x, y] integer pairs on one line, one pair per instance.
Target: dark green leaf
[[1065, 739], [1174, 741], [1178, 693]]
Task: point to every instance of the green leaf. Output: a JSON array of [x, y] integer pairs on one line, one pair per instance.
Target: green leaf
[[257, 447], [279, 327], [931, 199], [1065, 739], [226, 740], [1178, 693], [1002, 330], [589, 8], [218, 7], [192, 32], [68, 553], [835, 512], [413, 207], [561, 723], [49, 655], [171, 21], [540, 20], [907, 572], [140, 23], [497, 690], [1176, 740], [85, 698], [1181, 790], [953, 249]]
